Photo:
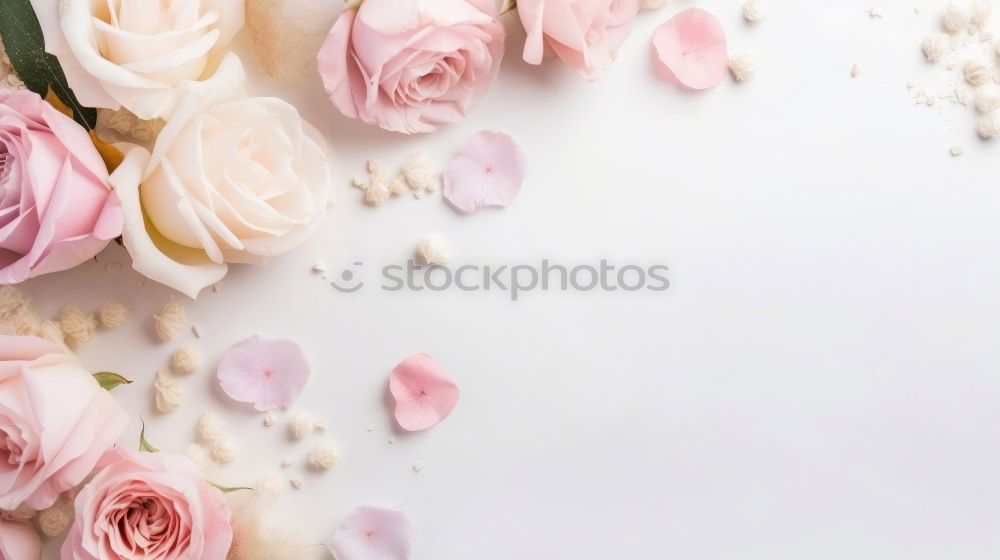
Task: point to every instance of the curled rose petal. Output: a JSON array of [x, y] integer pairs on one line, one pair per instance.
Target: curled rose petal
[[374, 533], [692, 46], [270, 374], [424, 392], [488, 171]]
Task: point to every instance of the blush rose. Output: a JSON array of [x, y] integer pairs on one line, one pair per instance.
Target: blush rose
[[55, 422], [585, 34], [148, 505], [412, 65], [56, 207]]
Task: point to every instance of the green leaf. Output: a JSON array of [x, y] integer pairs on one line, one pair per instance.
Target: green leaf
[[39, 70], [143, 444], [109, 380], [228, 489], [507, 6]]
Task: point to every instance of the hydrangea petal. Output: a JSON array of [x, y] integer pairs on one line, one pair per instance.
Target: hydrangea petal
[[374, 533], [692, 46], [424, 392], [267, 373], [488, 171]]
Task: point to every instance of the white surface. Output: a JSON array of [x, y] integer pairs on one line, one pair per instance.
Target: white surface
[[819, 381]]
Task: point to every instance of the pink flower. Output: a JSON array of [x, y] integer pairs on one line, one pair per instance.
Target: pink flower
[[412, 65], [425, 394], [56, 208], [268, 373], [18, 540], [585, 34], [692, 46], [374, 533], [148, 505], [488, 171], [55, 422]]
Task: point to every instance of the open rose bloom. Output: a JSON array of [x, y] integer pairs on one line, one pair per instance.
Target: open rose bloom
[[141, 506], [229, 180], [55, 422], [585, 34], [412, 66], [137, 53], [56, 207]]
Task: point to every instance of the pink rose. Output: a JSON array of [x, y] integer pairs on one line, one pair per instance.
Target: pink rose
[[585, 34], [148, 505], [56, 208], [55, 422], [18, 540], [412, 65]]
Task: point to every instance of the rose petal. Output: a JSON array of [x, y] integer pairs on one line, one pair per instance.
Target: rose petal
[[268, 373], [488, 171], [692, 45], [424, 392], [374, 533], [19, 541]]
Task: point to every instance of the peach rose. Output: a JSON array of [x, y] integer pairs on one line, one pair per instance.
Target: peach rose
[[148, 505], [55, 422], [56, 208], [585, 34], [412, 65]]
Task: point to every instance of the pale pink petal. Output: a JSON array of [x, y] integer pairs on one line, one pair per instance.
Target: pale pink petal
[[19, 541], [692, 45], [424, 392], [488, 171], [374, 533], [268, 373]]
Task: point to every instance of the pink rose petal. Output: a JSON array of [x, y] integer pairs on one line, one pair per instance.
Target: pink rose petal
[[692, 46], [425, 394], [18, 541], [488, 171], [268, 373], [374, 533]]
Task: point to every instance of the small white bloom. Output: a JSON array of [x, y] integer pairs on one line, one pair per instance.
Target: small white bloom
[[432, 249], [210, 426], [742, 65], [224, 450], [753, 11], [957, 16], [936, 46], [324, 455]]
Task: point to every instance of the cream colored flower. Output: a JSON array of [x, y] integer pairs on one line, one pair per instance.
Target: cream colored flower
[[230, 180], [137, 53]]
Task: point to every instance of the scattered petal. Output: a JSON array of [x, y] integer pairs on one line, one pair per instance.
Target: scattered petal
[[488, 171], [374, 533], [268, 373], [692, 46], [425, 394]]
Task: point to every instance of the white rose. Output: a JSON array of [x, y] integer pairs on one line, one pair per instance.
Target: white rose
[[137, 53], [230, 180]]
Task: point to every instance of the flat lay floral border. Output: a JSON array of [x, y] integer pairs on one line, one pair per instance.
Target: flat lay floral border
[[129, 121]]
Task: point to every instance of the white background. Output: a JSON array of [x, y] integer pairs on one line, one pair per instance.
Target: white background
[[820, 381]]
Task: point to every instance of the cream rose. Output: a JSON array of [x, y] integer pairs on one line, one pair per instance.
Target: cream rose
[[137, 53], [230, 180]]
